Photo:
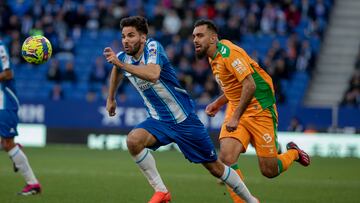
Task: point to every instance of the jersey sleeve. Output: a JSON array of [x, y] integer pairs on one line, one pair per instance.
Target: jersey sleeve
[[238, 64], [153, 53], [4, 57]]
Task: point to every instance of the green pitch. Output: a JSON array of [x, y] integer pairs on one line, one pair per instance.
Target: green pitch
[[77, 174]]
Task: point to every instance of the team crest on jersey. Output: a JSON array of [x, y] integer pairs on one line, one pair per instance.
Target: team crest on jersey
[[267, 138], [152, 52], [3, 58]]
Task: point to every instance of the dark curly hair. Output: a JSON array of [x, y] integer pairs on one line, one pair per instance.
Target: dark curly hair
[[138, 22]]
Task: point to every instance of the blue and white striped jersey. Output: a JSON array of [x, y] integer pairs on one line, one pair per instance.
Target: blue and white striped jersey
[[165, 100], [8, 98]]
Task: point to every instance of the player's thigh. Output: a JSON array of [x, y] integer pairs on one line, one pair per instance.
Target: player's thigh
[[141, 136], [263, 135], [233, 143], [151, 133], [216, 168], [8, 128], [268, 166], [194, 141]]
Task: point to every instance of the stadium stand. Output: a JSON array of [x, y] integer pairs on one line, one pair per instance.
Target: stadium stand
[[338, 53], [352, 95], [284, 37]]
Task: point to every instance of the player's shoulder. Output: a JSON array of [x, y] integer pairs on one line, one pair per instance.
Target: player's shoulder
[[152, 43], [121, 55], [227, 49], [223, 47]]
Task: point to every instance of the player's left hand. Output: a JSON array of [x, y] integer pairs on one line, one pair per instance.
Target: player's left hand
[[232, 125], [112, 58]]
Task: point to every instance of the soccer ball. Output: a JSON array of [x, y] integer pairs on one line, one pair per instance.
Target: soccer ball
[[36, 49]]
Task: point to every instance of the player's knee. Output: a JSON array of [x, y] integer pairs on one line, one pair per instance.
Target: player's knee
[[227, 158], [7, 144], [269, 172], [134, 144], [216, 173], [215, 169]]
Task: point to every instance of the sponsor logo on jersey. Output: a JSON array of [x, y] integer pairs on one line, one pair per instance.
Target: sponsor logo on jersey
[[238, 65], [143, 84]]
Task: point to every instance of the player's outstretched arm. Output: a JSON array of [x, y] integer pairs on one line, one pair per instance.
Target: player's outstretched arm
[[115, 78], [247, 94], [149, 72], [215, 106]]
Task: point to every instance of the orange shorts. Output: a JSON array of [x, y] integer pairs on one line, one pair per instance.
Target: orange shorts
[[259, 130]]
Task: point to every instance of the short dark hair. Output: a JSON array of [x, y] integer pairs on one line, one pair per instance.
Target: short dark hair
[[139, 22], [209, 23]]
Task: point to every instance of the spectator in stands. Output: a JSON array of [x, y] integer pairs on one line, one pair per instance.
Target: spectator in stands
[[15, 47], [200, 73], [67, 45], [352, 98], [352, 95], [56, 93], [357, 63], [66, 49], [293, 17], [172, 22], [54, 72], [295, 125], [99, 73], [232, 30], [158, 19], [281, 26], [305, 60], [69, 74], [281, 71], [267, 23], [63, 22], [251, 24], [93, 23]]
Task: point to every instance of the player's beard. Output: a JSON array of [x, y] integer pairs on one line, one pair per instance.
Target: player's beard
[[202, 53], [135, 49]]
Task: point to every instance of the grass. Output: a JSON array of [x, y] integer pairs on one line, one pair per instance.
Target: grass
[[77, 174]]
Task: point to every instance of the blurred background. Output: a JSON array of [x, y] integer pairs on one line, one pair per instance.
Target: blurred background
[[309, 47]]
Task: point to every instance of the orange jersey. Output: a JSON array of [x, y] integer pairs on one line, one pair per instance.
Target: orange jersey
[[230, 66]]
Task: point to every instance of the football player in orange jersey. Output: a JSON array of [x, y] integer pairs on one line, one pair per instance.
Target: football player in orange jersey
[[251, 115]]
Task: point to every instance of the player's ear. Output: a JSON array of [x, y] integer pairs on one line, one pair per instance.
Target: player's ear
[[143, 37], [213, 39]]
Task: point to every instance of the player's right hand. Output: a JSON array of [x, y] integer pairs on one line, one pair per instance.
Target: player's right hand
[[111, 106], [212, 109], [112, 58]]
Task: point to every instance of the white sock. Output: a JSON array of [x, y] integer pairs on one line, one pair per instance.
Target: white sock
[[146, 163], [232, 179], [22, 163]]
